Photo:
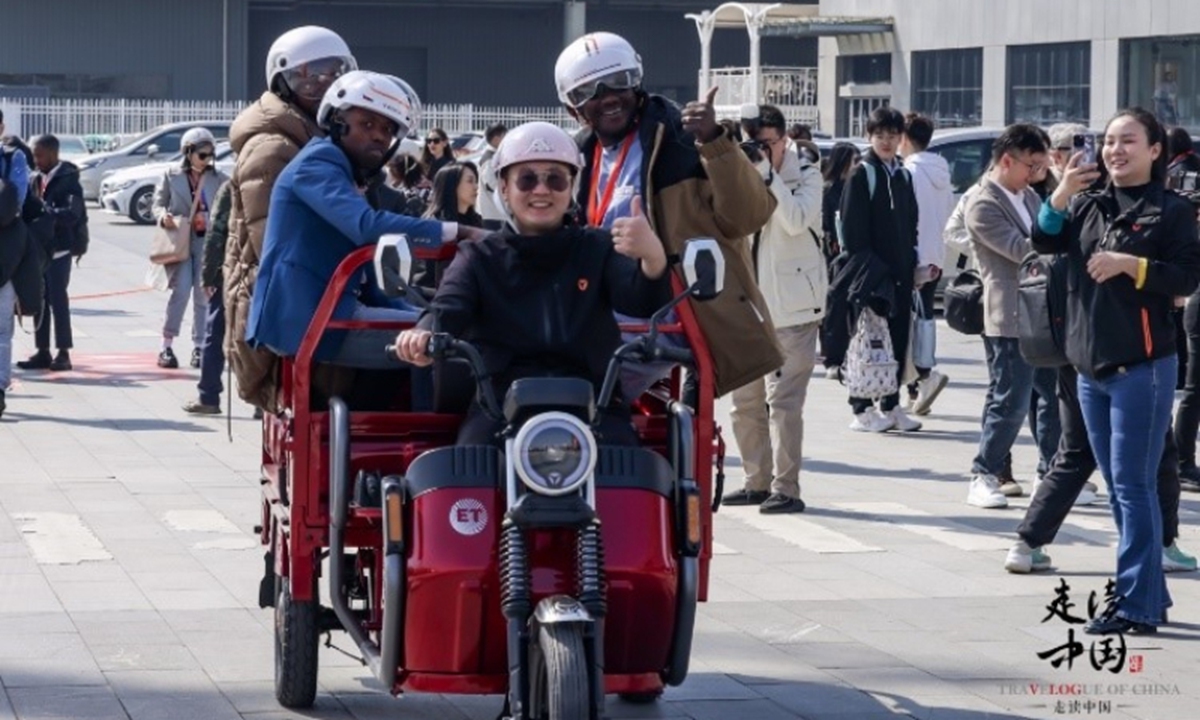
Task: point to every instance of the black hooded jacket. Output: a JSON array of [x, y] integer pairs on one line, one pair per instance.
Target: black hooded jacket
[[63, 198]]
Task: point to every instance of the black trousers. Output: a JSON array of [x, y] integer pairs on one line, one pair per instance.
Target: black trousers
[[1187, 419], [56, 307], [1074, 463]]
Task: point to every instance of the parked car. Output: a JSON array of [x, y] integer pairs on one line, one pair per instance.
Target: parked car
[[161, 142], [130, 192]]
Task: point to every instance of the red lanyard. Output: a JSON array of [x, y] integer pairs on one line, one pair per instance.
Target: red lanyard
[[596, 214]]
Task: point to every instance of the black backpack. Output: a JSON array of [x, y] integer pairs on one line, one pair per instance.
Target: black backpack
[[962, 303], [1042, 309]]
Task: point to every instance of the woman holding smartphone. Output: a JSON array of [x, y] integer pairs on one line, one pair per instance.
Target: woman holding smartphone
[[1132, 249]]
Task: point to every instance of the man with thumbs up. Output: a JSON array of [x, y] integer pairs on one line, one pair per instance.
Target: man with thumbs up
[[692, 180]]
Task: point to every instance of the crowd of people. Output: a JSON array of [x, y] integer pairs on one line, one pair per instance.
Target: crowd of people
[[580, 231]]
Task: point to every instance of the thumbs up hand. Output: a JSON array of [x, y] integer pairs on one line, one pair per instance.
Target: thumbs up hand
[[633, 237], [700, 119]]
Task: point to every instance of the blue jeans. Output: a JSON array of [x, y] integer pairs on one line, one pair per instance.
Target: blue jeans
[[8, 302], [1011, 382], [212, 357], [1127, 415]]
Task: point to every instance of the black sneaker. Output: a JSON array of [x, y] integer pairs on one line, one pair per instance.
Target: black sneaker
[[745, 497], [167, 359], [61, 362], [3, 405], [779, 504], [40, 360], [196, 358], [1117, 625], [1189, 479]]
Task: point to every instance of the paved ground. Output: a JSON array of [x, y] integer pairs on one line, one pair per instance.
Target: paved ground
[[128, 575]]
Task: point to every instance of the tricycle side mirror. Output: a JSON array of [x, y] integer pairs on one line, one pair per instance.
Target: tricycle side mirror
[[704, 268], [393, 262]]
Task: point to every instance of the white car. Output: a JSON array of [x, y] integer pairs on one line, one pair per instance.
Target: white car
[[130, 192], [153, 146]]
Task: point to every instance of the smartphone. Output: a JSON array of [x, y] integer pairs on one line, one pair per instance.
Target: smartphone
[[1086, 143]]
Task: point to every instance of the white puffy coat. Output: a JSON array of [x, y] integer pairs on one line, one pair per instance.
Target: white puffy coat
[[788, 259]]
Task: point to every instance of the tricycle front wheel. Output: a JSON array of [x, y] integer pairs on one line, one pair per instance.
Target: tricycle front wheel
[[559, 674], [296, 639]]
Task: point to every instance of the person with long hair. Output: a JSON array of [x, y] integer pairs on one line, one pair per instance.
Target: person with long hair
[[436, 154], [1132, 248], [455, 190], [843, 158]]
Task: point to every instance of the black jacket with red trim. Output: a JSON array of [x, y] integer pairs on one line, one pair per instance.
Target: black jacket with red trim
[[1113, 325]]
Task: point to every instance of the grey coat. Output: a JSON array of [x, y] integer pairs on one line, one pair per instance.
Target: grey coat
[[173, 196], [1000, 240]]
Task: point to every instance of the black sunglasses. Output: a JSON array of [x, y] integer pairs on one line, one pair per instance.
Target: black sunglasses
[[527, 181], [434, 141], [204, 155]]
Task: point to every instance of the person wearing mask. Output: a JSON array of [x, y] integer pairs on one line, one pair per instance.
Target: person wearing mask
[[879, 216], [57, 181], [935, 201], [1000, 221], [436, 154], [768, 413], [691, 177], [192, 184], [319, 216], [301, 65], [1126, 272], [489, 209], [544, 260]]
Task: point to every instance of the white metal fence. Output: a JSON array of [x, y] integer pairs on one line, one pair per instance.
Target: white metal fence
[[27, 117], [782, 86]]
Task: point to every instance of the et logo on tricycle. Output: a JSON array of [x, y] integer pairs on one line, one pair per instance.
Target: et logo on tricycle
[[468, 517]]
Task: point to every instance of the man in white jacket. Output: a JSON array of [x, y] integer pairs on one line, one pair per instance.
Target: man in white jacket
[[935, 201], [768, 414]]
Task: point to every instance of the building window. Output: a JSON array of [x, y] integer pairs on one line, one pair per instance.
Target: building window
[[1163, 74], [948, 86], [1050, 83], [864, 83]]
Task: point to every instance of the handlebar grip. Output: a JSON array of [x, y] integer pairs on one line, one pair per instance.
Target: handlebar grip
[[679, 355]]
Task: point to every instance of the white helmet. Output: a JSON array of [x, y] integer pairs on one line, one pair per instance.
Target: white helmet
[[305, 44], [196, 136], [387, 95], [536, 142], [592, 60]]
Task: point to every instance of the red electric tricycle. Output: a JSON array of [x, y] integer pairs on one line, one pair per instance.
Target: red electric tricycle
[[550, 570]]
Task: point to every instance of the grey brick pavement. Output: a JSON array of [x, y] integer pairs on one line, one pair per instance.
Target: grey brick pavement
[[886, 598]]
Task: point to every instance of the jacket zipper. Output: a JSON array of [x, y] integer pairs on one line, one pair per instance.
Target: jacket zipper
[[1146, 336]]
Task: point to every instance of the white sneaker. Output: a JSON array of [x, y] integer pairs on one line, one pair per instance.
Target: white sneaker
[[985, 493], [872, 421], [927, 391], [901, 421], [1024, 559], [1091, 487], [831, 372]]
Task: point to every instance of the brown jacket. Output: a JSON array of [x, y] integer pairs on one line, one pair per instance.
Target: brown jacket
[[710, 192], [266, 136]]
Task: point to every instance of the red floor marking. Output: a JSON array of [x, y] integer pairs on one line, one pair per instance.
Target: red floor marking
[[112, 293]]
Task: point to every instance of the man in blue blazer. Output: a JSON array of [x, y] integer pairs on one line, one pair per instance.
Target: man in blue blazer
[[319, 215]]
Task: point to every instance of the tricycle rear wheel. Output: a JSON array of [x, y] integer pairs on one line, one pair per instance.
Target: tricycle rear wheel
[[559, 674], [296, 639]]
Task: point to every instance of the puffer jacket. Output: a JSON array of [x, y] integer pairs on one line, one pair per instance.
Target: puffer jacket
[[787, 253], [266, 136], [709, 190]]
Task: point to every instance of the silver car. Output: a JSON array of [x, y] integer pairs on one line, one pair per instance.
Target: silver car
[[160, 143]]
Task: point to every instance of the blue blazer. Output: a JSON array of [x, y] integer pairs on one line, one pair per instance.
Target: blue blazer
[[316, 218]]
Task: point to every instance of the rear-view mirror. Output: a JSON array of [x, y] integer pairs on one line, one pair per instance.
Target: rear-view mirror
[[151, 150], [393, 262], [703, 268]]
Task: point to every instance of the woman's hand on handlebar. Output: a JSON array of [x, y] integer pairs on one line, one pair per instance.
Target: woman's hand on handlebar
[[411, 346]]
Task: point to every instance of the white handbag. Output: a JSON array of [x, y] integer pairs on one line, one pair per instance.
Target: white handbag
[[869, 370]]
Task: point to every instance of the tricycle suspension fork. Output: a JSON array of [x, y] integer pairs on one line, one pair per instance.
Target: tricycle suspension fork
[[516, 602], [592, 595]]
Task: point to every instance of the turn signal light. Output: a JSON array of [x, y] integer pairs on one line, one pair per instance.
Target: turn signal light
[[395, 518]]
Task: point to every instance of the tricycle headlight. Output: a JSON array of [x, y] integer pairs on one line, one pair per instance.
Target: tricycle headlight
[[555, 453]]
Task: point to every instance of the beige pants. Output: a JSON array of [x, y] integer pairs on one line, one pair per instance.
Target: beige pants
[[768, 415]]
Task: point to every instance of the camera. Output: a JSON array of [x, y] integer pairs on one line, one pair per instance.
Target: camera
[[754, 150]]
